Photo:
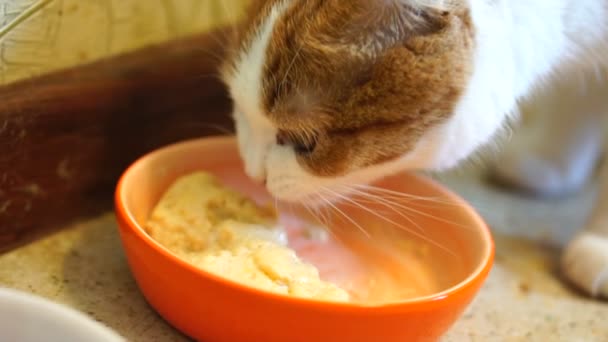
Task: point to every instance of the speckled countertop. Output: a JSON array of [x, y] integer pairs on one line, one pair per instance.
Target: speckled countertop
[[523, 300]]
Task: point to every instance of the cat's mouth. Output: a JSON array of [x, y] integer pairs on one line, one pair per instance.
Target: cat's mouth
[[318, 197]]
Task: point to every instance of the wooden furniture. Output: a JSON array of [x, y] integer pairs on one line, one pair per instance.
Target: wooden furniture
[[65, 137]]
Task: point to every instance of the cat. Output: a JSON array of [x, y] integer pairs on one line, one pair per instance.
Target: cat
[[332, 93], [556, 152]]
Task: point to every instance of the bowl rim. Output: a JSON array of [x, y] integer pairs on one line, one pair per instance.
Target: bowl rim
[[480, 272], [60, 314]]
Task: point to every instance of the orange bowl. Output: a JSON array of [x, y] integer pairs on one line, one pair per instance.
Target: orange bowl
[[210, 308]]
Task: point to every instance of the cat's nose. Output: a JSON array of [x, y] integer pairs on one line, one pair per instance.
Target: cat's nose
[[254, 155], [258, 177], [256, 172]]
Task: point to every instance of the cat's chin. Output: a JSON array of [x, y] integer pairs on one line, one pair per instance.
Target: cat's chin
[[290, 183], [311, 198], [310, 191], [313, 201]]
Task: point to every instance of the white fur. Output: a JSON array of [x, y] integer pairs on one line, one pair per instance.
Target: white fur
[[518, 44], [585, 260], [557, 149], [255, 132], [556, 152]]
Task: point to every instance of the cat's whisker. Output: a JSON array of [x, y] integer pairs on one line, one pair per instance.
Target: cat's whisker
[[433, 217], [325, 212], [324, 216], [327, 226], [233, 17], [222, 39], [308, 133], [216, 58], [425, 214], [311, 212], [403, 195], [290, 66], [387, 193], [215, 55], [276, 204], [387, 204], [342, 213], [396, 224]]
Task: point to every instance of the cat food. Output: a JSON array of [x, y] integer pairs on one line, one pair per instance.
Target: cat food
[[226, 233]]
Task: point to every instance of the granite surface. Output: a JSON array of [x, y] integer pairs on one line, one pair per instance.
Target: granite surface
[[523, 300]]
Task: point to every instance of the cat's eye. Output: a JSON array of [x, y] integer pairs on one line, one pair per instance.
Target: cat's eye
[[301, 146], [305, 148]]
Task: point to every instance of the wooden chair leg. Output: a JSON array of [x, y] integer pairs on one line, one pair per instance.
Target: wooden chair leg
[[65, 137]]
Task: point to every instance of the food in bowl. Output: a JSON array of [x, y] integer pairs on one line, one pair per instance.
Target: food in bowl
[[226, 233], [206, 307]]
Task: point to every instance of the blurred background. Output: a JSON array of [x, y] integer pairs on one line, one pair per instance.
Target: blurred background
[[40, 36], [83, 266]]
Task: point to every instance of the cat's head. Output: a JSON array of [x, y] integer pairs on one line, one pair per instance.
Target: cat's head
[[330, 93]]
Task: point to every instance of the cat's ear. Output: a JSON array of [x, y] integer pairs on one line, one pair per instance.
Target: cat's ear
[[394, 22], [407, 18]]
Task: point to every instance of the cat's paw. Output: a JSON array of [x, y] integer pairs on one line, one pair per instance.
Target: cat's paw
[[585, 263], [536, 174]]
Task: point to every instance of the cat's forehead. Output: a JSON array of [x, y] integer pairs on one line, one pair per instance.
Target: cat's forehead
[[315, 58], [320, 52], [309, 65], [273, 55]]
